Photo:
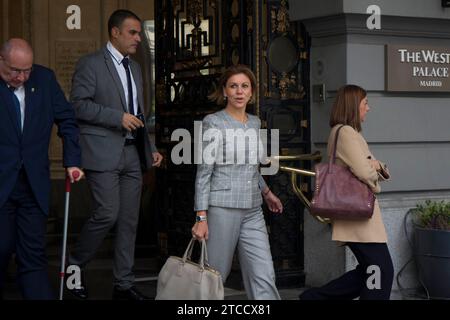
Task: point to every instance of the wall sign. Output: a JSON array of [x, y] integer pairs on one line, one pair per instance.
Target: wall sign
[[67, 54], [417, 68]]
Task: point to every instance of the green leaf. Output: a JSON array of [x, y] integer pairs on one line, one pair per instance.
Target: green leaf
[[433, 215]]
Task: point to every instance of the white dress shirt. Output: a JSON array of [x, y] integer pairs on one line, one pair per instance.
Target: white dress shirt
[[117, 59]]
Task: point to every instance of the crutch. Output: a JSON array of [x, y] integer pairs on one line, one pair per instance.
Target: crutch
[[62, 272]]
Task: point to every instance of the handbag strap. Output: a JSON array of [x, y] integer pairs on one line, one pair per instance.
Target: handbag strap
[[203, 253], [188, 253], [333, 158]]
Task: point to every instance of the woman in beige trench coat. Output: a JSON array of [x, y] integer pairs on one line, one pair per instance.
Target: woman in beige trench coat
[[366, 238]]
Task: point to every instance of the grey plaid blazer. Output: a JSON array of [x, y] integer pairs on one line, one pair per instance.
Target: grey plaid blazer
[[223, 182]]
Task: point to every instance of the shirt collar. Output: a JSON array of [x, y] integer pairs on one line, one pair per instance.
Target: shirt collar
[[15, 88], [115, 53]]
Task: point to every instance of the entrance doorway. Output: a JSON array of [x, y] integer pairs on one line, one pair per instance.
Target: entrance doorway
[[195, 41]]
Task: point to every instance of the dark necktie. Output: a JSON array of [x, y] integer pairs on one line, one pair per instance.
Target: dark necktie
[[16, 105], [125, 63]]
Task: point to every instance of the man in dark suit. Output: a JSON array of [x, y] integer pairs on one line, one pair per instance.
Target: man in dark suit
[[107, 94], [31, 101]]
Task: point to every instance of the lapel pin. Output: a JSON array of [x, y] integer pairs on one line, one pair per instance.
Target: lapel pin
[[32, 89]]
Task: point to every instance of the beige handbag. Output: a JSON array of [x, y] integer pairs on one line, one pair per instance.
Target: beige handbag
[[183, 279]]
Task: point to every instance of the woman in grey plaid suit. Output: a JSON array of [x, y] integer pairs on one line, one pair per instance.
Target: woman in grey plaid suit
[[228, 193]]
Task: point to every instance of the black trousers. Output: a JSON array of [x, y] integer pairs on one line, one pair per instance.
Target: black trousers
[[23, 227], [360, 282]]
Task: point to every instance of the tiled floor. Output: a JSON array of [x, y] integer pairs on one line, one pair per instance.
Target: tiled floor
[[99, 283]]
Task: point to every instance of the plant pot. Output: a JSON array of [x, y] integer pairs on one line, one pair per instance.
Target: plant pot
[[432, 254]]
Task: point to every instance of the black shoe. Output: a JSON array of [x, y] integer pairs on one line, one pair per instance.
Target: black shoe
[[130, 294], [80, 293], [311, 294], [79, 290]]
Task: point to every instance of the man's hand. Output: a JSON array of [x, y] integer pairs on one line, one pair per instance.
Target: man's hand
[[70, 173], [273, 202], [157, 158], [130, 122]]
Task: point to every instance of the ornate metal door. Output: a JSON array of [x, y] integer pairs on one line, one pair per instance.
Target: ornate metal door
[[284, 105], [195, 41]]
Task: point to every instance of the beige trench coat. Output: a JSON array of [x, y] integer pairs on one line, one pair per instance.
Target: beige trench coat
[[352, 151]]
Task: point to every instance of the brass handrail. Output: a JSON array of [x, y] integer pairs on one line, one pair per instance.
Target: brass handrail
[[296, 171], [309, 156]]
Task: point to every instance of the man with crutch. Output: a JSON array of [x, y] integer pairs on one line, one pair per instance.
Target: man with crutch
[[31, 101]]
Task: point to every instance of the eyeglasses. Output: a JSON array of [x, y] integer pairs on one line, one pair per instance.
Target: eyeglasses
[[15, 72]]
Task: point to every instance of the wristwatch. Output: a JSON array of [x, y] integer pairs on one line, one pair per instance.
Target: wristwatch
[[200, 218]]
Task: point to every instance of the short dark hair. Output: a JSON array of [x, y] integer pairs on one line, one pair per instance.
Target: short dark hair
[[217, 95], [345, 108], [117, 18]]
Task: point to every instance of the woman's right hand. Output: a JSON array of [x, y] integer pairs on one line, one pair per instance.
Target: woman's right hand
[[200, 228]]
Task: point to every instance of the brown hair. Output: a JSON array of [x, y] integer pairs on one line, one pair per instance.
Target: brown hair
[[345, 108], [218, 96]]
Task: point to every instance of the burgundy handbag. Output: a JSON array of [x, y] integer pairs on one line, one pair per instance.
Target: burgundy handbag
[[339, 194]]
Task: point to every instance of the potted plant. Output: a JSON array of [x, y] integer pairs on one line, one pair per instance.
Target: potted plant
[[432, 247]]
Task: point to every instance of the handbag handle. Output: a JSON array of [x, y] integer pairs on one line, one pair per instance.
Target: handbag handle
[[333, 158], [188, 253], [203, 253]]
